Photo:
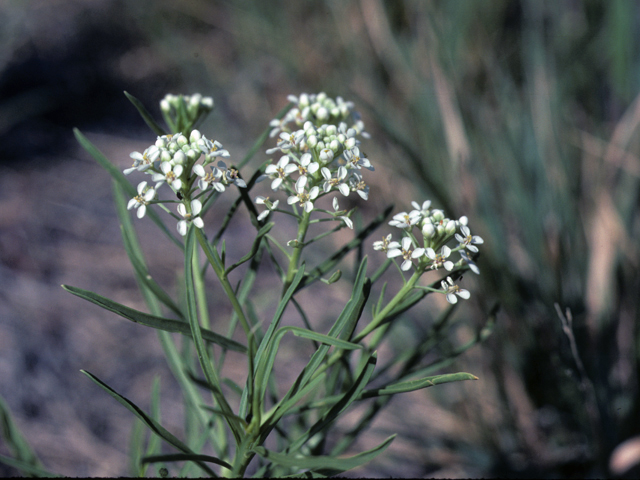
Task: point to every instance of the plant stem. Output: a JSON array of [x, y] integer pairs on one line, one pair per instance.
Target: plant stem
[[382, 314], [294, 261], [216, 264]]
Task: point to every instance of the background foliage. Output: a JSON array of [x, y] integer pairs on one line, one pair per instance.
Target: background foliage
[[521, 115]]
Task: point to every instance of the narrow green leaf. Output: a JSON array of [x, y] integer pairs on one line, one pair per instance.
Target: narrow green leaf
[[254, 248], [345, 401], [161, 323], [27, 468], [119, 177], [324, 465], [319, 337], [154, 426], [262, 376], [185, 457], [412, 385], [134, 252], [349, 316], [262, 354], [136, 446], [14, 439], [203, 356], [146, 116], [263, 137]]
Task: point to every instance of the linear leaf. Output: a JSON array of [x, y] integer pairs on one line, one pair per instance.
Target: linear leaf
[[412, 385], [196, 330], [161, 323], [254, 248], [134, 252], [345, 401], [14, 438], [324, 465], [146, 116], [263, 352], [27, 467], [263, 137], [186, 457], [349, 315], [154, 426]]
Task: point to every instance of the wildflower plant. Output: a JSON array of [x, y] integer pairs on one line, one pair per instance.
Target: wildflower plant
[[254, 427]]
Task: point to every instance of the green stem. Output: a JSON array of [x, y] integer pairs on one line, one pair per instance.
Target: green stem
[[216, 264], [382, 314], [294, 261]]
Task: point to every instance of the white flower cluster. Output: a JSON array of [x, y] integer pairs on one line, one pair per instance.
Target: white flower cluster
[[319, 142], [431, 252], [172, 160]]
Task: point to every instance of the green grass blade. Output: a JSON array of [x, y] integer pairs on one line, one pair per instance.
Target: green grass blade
[[146, 116], [161, 323], [154, 426], [119, 177], [323, 465], [185, 457]]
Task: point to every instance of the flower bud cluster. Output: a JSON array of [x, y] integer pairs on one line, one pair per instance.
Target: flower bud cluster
[[428, 249], [322, 148], [319, 109], [173, 160], [183, 112]]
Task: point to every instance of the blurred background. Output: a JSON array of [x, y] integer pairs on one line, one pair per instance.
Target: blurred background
[[522, 115]]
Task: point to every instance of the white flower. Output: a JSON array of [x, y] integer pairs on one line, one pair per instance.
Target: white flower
[[422, 210], [357, 185], [209, 178], [404, 249], [288, 141], [347, 221], [302, 196], [451, 288], [440, 260], [170, 174], [382, 244], [260, 200], [196, 208], [140, 201], [307, 166], [337, 181], [143, 161], [231, 175], [282, 169], [466, 239], [212, 149], [405, 220], [472, 266], [356, 159]]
